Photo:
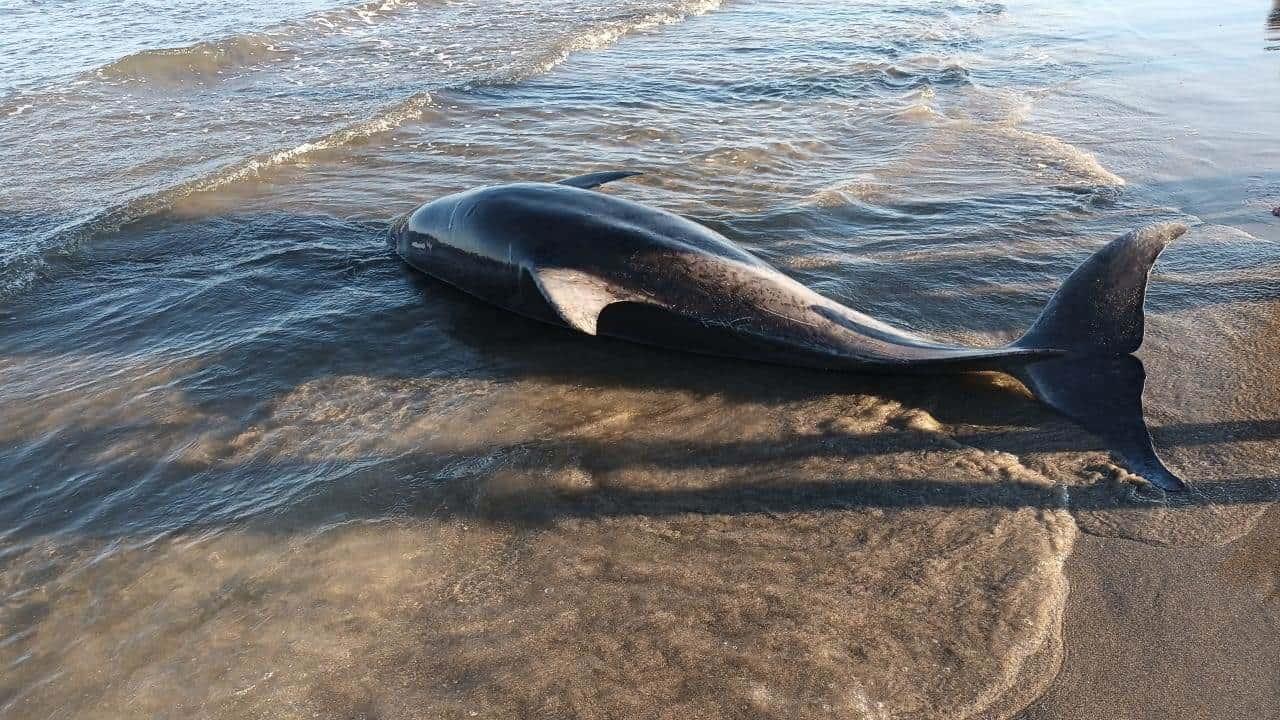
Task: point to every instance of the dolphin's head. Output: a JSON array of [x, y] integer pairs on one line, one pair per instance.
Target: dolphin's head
[[415, 235]]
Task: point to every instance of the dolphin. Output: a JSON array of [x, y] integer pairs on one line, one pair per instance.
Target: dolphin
[[600, 264]]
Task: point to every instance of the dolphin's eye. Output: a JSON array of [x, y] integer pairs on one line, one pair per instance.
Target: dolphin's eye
[[420, 241]]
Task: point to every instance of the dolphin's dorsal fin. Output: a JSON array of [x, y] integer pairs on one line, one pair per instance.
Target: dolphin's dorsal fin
[[592, 180], [578, 297]]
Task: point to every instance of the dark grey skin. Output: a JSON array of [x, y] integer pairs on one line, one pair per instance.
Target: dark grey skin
[[566, 255]]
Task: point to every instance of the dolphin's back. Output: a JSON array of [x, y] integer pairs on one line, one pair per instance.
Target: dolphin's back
[[553, 220], [570, 254], [587, 252]]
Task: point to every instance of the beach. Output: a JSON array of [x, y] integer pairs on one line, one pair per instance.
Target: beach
[[1143, 624], [254, 465]]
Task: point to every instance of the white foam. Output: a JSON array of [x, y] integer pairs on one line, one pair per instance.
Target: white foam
[[604, 34]]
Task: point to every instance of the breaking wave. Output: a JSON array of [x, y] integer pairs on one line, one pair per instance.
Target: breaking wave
[[19, 271], [606, 32], [25, 266], [193, 62], [203, 61]]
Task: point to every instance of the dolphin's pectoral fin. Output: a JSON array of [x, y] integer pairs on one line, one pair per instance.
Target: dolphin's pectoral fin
[[592, 180], [578, 297]]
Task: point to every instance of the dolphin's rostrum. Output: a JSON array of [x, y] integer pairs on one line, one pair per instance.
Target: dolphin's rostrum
[[601, 264]]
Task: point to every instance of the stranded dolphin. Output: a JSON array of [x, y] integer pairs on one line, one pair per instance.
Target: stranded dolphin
[[563, 254]]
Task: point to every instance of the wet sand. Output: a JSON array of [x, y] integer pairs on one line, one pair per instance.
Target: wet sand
[[1162, 632]]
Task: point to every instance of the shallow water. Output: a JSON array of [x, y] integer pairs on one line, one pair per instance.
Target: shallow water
[[252, 465]]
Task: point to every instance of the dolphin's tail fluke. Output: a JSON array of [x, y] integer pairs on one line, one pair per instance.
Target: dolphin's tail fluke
[[1103, 393], [1096, 319], [1098, 309]]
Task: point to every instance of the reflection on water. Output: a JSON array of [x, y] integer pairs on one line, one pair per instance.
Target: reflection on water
[[252, 466]]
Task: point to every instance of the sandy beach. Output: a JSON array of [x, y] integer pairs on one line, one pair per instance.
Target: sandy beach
[[254, 465], [1159, 632]]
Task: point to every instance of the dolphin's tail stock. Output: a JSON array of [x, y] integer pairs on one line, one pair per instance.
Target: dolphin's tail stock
[[1096, 319]]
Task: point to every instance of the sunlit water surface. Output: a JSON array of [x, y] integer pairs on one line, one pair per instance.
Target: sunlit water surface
[[252, 466]]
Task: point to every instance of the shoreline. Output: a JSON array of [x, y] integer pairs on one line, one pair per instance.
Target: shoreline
[[1163, 632]]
